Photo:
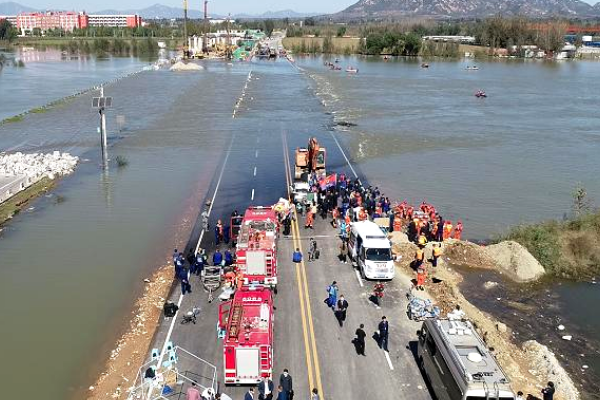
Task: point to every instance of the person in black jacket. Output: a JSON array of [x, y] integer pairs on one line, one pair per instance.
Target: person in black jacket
[[359, 340], [383, 333], [548, 391], [340, 313], [285, 381], [265, 389]]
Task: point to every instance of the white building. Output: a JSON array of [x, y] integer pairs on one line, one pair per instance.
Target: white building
[[10, 18], [120, 21]]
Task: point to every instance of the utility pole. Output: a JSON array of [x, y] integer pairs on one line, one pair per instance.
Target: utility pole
[[228, 45], [185, 35], [206, 28], [101, 104]]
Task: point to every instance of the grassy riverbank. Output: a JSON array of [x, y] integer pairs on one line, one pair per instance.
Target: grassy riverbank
[[567, 249], [18, 202]]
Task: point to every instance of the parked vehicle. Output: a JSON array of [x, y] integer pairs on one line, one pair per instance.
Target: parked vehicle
[[256, 252], [371, 250], [246, 326], [457, 363]]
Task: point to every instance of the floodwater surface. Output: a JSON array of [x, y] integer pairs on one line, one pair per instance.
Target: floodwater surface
[[513, 157]]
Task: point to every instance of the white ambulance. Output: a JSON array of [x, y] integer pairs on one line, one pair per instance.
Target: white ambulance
[[371, 251]]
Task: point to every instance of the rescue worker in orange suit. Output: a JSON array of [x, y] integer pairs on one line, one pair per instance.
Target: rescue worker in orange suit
[[421, 277], [458, 230], [310, 218], [419, 257], [219, 232], [417, 223], [436, 253], [447, 229], [422, 241]]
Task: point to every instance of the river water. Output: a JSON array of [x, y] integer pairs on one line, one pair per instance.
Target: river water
[[74, 262], [513, 157]]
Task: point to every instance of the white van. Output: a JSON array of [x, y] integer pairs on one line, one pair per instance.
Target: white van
[[371, 250]]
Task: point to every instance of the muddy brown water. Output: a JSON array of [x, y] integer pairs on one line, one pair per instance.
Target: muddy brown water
[[535, 311]]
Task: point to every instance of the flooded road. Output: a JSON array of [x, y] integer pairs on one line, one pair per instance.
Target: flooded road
[[72, 264], [49, 75], [420, 134]]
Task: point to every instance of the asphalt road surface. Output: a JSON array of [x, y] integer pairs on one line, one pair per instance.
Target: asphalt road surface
[[308, 339]]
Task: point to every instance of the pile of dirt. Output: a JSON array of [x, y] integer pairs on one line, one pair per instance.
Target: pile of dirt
[[467, 254], [516, 260], [509, 257], [181, 66]]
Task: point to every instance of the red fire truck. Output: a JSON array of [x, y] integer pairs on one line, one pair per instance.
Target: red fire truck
[[246, 325], [256, 253]]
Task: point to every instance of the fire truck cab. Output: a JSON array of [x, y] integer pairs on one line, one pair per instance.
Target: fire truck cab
[[246, 325], [256, 252]]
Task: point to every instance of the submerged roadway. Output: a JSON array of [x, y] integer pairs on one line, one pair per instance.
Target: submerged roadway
[[255, 170]]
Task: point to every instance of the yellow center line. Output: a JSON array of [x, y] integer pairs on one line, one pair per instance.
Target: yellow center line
[[309, 338], [299, 280]]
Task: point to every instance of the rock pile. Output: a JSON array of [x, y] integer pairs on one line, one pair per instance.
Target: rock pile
[[37, 165]]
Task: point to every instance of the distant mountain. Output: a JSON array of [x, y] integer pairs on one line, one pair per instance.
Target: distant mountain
[[156, 11], [381, 9], [12, 8], [277, 15]]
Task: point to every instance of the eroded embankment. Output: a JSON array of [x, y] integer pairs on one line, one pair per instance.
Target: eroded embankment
[[529, 365], [132, 348]]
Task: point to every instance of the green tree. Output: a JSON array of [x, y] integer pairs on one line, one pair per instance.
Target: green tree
[[341, 31], [268, 27], [7, 31], [309, 22]]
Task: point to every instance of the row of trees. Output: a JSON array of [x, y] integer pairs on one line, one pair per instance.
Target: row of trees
[[392, 43]]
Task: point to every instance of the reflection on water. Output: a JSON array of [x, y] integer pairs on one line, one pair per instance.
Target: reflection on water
[[50, 75]]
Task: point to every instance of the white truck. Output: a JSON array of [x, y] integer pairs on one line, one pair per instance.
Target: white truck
[[371, 250]]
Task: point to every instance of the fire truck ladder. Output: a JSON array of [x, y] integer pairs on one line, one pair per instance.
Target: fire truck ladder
[[265, 358], [236, 319]]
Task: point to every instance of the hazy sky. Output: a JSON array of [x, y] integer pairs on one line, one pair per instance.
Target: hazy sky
[[216, 6]]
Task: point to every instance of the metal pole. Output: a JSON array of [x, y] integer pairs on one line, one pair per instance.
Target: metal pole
[[103, 141], [185, 35]]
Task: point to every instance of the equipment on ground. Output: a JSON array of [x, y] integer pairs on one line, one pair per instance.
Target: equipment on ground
[[246, 325], [256, 253], [170, 309], [419, 309], [211, 280], [190, 316]]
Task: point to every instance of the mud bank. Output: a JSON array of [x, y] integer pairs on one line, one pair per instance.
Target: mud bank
[[132, 349], [521, 362]]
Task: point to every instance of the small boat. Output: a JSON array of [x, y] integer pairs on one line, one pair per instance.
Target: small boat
[[351, 70], [480, 94], [472, 68], [424, 65]]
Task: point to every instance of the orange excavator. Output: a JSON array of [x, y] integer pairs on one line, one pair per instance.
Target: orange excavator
[[310, 159]]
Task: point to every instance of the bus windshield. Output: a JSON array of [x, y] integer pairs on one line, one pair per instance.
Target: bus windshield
[[378, 255]]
